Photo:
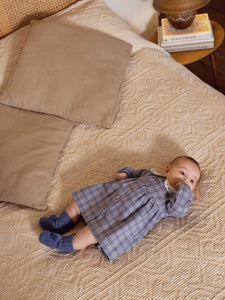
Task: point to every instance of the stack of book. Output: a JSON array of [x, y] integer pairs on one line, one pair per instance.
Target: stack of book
[[197, 36]]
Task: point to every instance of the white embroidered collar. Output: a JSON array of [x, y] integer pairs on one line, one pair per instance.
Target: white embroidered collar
[[169, 188]]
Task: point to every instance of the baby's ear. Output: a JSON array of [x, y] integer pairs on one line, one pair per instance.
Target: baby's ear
[[166, 170]]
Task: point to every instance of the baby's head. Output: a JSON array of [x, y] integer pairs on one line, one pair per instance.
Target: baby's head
[[183, 169]]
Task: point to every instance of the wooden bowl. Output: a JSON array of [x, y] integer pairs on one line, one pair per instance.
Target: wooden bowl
[[181, 21]]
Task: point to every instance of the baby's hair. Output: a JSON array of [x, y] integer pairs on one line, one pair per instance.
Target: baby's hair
[[186, 157]]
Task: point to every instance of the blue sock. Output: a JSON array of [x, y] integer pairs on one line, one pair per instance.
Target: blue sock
[[58, 225], [56, 241]]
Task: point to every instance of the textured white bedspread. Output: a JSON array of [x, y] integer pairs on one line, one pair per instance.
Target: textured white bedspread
[[165, 111]]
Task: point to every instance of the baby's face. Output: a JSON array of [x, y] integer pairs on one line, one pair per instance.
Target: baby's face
[[182, 171]]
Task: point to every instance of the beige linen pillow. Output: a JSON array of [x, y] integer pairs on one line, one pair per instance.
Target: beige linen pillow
[[30, 146], [74, 72]]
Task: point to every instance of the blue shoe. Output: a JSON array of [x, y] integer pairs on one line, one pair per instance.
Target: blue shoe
[[58, 225], [56, 241]]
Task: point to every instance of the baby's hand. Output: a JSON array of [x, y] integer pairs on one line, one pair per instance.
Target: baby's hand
[[121, 176], [179, 184]]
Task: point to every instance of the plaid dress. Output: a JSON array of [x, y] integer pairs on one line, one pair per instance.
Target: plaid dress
[[121, 213]]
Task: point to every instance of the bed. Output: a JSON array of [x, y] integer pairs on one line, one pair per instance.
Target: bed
[[159, 110]]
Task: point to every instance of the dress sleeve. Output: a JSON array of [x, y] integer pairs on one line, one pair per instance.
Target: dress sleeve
[[134, 173], [178, 203]]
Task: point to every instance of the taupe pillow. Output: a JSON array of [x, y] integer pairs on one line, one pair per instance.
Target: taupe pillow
[[74, 72], [29, 149]]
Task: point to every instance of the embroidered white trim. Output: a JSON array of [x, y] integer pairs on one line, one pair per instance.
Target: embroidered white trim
[[169, 188]]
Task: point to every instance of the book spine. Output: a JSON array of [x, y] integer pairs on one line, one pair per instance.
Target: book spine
[[187, 37], [189, 48], [187, 42], [180, 42]]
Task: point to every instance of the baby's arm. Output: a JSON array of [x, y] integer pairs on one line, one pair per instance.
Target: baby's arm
[[178, 184], [178, 203], [130, 173]]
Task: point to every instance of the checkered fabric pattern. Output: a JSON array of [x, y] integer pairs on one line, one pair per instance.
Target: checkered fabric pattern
[[121, 213]]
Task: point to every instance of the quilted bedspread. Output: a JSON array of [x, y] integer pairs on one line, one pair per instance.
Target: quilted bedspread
[[165, 111]]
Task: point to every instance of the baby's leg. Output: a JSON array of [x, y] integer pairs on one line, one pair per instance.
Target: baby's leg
[[83, 239], [64, 222], [73, 211], [69, 243]]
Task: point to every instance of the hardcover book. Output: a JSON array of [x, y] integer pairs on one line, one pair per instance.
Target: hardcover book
[[195, 44], [200, 29]]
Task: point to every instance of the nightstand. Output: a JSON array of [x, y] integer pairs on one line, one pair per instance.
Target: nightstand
[[188, 57]]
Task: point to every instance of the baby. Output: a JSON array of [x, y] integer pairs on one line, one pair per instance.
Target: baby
[[120, 213]]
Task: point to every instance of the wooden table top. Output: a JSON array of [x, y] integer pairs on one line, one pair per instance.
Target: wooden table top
[[187, 57]]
